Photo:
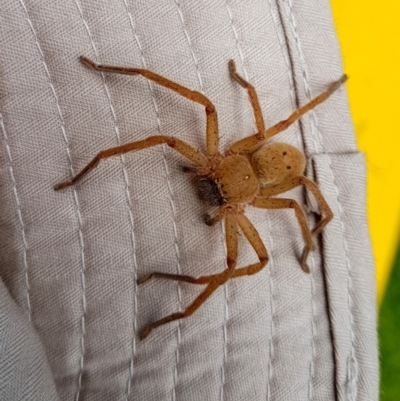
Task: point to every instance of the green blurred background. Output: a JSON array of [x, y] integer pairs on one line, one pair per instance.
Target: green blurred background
[[389, 334], [369, 34]]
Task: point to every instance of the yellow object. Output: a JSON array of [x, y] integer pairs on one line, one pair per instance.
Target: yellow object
[[369, 34]]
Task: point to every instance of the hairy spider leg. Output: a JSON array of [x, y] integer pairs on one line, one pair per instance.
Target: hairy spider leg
[[232, 251], [252, 96], [184, 149], [211, 221], [212, 140], [255, 241], [313, 188], [252, 142], [281, 203]]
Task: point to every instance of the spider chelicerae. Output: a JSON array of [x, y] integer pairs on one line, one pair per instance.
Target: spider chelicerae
[[251, 172]]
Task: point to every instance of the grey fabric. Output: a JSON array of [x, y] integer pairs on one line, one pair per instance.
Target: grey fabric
[[70, 259], [24, 371]]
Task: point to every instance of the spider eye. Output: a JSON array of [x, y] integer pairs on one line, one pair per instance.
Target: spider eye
[[284, 153]]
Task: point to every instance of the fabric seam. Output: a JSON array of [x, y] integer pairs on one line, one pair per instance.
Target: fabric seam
[[76, 199], [172, 203], [351, 388], [127, 195], [293, 94], [19, 213], [226, 311]]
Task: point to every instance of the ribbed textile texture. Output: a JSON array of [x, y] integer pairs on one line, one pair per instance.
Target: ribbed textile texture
[[69, 260]]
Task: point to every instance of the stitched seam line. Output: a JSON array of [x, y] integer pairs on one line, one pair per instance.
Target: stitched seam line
[[226, 308], [312, 279], [313, 331], [201, 88], [21, 222], [352, 369], [128, 200], [352, 365], [201, 83], [75, 195], [284, 50], [171, 194], [225, 325], [293, 101], [314, 126], [190, 44], [241, 56], [236, 36], [313, 263], [271, 243]]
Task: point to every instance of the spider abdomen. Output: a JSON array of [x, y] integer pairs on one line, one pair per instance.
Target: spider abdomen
[[236, 180], [275, 162]]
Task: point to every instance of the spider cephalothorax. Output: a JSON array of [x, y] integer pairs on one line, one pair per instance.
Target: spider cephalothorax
[[251, 173]]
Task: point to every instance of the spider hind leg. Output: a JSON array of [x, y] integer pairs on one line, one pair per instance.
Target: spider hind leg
[[213, 281]]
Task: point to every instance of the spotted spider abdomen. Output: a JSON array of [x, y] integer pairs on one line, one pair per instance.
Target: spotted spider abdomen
[[275, 162]]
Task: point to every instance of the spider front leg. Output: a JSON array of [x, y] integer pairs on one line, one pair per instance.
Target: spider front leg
[[211, 114], [186, 150], [250, 143], [213, 281], [252, 96]]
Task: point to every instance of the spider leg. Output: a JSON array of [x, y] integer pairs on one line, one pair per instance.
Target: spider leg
[[280, 203], [176, 277], [313, 188], [211, 114], [218, 280], [252, 96], [190, 279], [255, 241], [211, 221], [252, 142], [186, 150], [180, 315], [231, 241]]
